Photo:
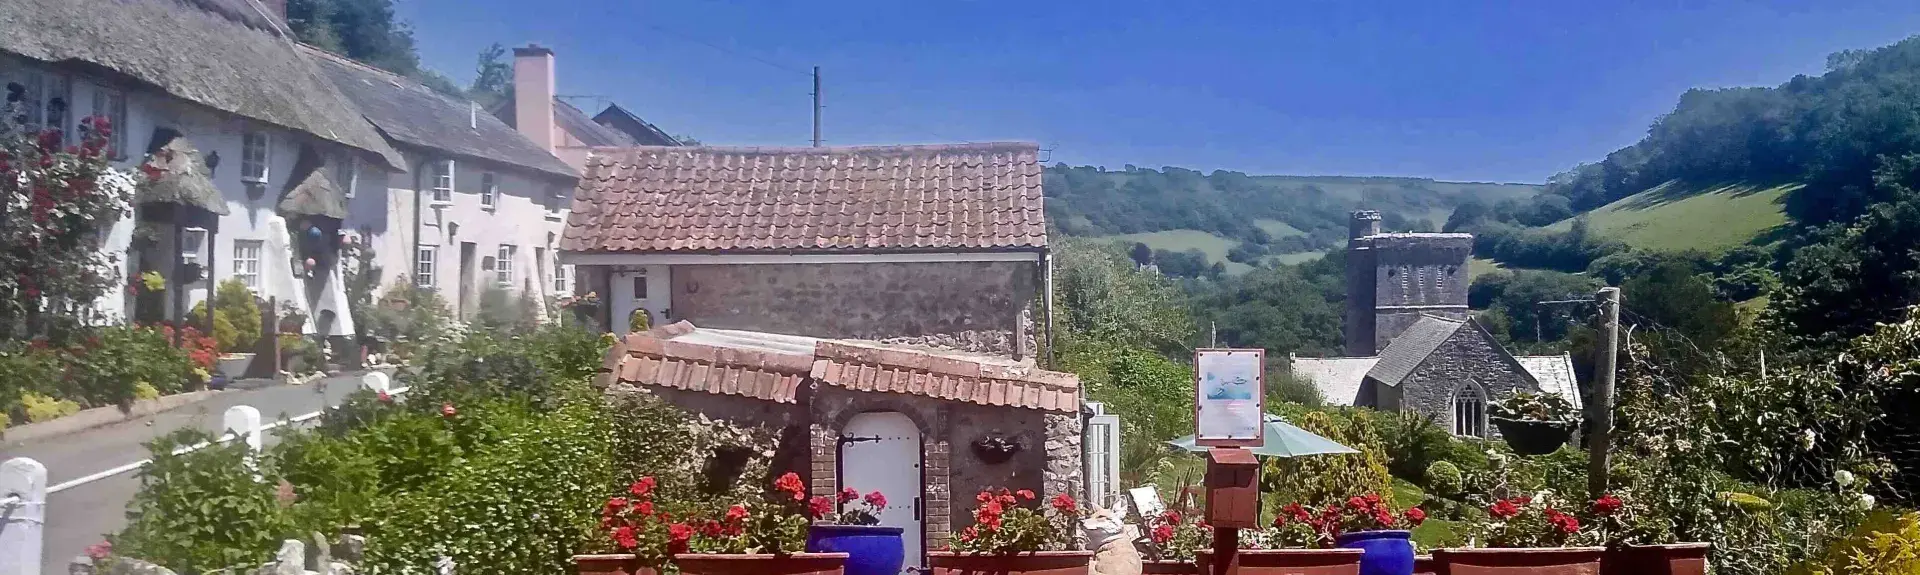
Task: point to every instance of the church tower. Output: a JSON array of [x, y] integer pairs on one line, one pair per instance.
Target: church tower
[[1394, 278]]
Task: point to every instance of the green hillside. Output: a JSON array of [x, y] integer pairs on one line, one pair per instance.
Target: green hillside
[[1679, 215]]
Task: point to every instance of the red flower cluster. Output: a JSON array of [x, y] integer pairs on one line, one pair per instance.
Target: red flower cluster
[[628, 520], [1607, 504], [1563, 522], [849, 495], [819, 507], [1063, 503], [1505, 508], [877, 500], [790, 483]]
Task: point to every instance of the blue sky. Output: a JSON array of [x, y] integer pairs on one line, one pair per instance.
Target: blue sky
[[1499, 91]]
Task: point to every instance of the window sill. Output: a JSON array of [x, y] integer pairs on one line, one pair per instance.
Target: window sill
[[253, 180], [553, 217], [489, 209], [436, 204]]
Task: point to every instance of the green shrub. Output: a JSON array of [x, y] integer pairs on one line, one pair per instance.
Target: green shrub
[[1886, 543], [525, 505], [299, 355], [105, 374], [143, 391], [42, 408], [224, 334], [405, 317], [203, 510], [236, 317], [1444, 479], [1326, 479]]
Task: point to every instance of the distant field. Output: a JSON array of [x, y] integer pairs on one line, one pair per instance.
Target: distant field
[[1479, 266], [1679, 215], [1215, 247], [1278, 229], [1354, 188], [1296, 258]]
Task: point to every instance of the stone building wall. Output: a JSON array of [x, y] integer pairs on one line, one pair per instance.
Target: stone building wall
[[1469, 356], [1414, 274], [981, 307]]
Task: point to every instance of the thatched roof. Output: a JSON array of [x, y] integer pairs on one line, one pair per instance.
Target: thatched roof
[[184, 177], [311, 191], [210, 52], [415, 115]]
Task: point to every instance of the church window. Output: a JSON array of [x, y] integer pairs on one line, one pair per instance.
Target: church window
[[1470, 411]]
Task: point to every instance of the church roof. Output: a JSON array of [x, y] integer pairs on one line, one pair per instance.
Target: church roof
[[1555, 374], [1337, 378], [1412, 347]]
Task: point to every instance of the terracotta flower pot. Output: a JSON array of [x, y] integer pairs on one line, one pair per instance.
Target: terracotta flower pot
[[1034, 563], [1533, 561], [1288, 562], [1670, 559], [761, 564], [1169, 567], [1425, 565], [614, 564]]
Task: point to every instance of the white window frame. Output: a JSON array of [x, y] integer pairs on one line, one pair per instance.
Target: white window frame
[[426, 263], [443, 182], [489, 190], [246, 262], [112, 104], [1473, 400], [192, 241], [347, 176], [559, 275], [256, 157], [503, 265], [1103, 454]]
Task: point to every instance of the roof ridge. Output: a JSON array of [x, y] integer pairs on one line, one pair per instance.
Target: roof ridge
[[394, 76], [969, 146]]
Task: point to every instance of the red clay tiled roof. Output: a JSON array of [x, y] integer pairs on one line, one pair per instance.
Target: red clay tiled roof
[[712, 369], [919, 373], [653, 358], [876, 198]]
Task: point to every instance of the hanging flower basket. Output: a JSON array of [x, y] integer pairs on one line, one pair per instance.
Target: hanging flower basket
[[612, 564], [761, 564], [1028, 563], [1533, 561], [1670, 559], [1288, 561], [1533, 437]]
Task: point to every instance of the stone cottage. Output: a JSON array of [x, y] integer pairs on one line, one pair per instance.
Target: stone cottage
[[938, 245], [1411, 342], [927, 428]]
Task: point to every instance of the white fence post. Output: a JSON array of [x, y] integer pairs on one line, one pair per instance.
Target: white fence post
[[23, 511], [243, 421], [376, 382]]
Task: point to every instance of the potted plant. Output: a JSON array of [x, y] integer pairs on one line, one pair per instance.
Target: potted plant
[[1176, 542], [1300, 542], [1526, 533], [871, 548], [1637, 547], [766, 537], [1010, 536], [1534, 423], [638, 537], [1367, 523]]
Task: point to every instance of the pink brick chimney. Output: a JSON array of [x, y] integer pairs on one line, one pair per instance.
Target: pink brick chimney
[[533, 91]]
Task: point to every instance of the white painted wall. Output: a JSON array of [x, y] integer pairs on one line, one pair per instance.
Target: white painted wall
[[519, 217]]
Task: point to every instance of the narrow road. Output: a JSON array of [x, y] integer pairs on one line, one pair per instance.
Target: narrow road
[[80, 516]]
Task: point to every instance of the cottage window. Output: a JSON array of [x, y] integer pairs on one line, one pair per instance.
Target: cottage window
[[192, 240], [423, 266], [347, 175], [112, 105], [443, 182], [1470, 411], [255, 151], [489, 190], [503, 265], [559, 276], [43, 98], [246, 262], [1103, 456]]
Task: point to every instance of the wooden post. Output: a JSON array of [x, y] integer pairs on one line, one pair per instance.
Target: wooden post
[[23, 520], [1600, 408]]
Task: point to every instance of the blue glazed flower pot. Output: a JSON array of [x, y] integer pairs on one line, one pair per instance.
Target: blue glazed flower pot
[[870, 549], [1388, 552]]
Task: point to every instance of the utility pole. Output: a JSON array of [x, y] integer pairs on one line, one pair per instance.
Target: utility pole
[[1600, 407], [816, 106]]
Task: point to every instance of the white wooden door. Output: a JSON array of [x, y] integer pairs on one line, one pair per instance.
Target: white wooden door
[[881, 451], [645, 289]]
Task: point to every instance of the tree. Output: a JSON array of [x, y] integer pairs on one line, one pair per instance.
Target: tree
[[1185, 264], [493, 78], [1141, 254], [365, 31], [1854, 276]]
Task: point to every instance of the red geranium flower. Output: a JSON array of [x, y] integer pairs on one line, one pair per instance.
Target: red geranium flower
[[711, 529], [1503, 509], [848, 494], [819, 507], [1607, 505], [616, 504], [624, 537], [877, 500], [1416, 516], [1065, 503], [677, 536], [790, 483], [645, 508], [736, 513], [642, 487], [1026, 494], [1162, 533]]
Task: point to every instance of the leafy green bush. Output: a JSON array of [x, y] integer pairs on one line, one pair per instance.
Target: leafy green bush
[[501, 313], [405, 317], [1327, 479], [1444, 479], [204, 510], [225, 335], [523, 506]]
